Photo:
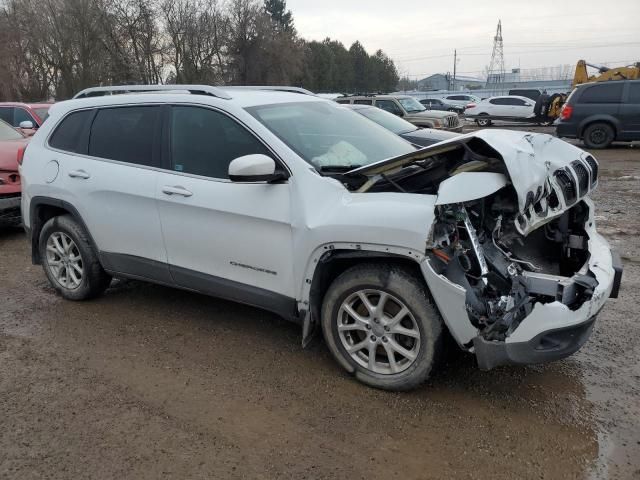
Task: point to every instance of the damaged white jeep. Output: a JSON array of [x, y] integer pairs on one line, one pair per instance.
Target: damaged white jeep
[[294, 204]]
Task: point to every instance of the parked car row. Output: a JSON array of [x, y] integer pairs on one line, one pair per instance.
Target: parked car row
[[408, 108], [327, 216]]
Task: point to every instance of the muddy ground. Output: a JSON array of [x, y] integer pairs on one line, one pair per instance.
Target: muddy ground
[[149, 382]]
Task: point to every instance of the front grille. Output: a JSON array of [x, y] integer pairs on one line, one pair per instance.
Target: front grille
[[567, 185], [452, 121], [583, 176], [593, 165]]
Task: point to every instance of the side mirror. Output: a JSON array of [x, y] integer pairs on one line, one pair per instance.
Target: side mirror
[[26, 125], [254, 168]]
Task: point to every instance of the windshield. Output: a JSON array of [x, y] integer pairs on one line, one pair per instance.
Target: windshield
[[327, 135], [411, 105], [387, 120], [42, 112], [8, 133]]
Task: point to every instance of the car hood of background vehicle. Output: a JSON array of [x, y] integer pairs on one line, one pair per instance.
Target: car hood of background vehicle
[[428, 114], [530, 158], [9, 153]]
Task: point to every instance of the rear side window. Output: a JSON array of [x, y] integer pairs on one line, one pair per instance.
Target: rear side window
[[126, 134], [344, 102], [603, 93], [70, 135], [363, 102], [499, 101], [634, 92], [204, 142]]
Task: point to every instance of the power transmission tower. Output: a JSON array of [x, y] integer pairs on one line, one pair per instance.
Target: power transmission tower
[[495, 73]]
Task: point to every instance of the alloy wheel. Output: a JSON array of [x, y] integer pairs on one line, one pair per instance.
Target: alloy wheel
[[64, 260], [378, 331]]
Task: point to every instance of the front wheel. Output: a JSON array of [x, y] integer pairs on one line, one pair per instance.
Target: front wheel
[[69, 261], [380, 324]]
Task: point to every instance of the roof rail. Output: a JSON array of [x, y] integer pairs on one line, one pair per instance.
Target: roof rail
[[270, 87], [193, 89]]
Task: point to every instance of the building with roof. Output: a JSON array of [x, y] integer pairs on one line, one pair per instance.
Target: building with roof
[[445, 81]]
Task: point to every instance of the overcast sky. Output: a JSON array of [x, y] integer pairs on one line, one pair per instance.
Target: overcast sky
[[420, 35]]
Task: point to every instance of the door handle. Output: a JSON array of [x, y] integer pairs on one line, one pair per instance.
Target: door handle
[[177, 190], [79, 174]]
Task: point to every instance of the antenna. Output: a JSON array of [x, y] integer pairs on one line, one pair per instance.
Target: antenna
[[495, 74]]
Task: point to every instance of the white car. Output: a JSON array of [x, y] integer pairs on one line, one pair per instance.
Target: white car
[[461, 100], [508, 107], [297, 205]]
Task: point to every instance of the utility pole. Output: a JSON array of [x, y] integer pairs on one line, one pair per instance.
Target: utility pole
[[455, 62]]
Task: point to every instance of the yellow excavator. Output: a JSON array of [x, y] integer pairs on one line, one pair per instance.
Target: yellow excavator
[[630, 72], [581, 75]]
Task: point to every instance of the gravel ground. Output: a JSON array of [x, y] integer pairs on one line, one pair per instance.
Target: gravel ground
[[149, 382]]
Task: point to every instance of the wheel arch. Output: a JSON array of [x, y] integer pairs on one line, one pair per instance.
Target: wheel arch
[[608, 119], [329, 261], [41, 210]]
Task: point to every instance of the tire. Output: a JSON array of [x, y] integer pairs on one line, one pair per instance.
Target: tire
[[413, 355], [69, 261], [483, 122], [598, 135]]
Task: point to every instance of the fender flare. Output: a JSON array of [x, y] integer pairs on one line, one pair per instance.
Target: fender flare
[[35, 225]]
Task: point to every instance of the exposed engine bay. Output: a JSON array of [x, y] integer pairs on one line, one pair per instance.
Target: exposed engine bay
[[476, 245], [509, 223]]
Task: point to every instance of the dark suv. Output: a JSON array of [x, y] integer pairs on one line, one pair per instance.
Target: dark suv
[[600, 113]]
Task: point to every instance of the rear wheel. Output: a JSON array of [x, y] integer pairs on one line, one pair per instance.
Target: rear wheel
[[598, 135], [483, 122], [380, 325], [69, 261]]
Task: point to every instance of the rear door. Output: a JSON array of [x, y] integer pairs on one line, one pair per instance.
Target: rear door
[[630, 113], [230, 239], [108, 168]]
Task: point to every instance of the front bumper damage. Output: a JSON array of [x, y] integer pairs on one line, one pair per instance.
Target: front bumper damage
[[552, 330]]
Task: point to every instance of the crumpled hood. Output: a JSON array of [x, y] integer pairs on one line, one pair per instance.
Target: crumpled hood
[[530, 158], [9, 154]]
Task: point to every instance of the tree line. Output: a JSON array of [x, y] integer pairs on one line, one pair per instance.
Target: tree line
[[54, 48]]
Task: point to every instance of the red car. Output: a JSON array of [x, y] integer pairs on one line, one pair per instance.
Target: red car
[[16, 113], [12, 144]]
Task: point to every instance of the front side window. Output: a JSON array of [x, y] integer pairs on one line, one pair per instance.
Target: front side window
[[204, 141], [603, 93], [21, 115], [70, 134], [411, 105], [329, 136], [126, 134], [389, 106]]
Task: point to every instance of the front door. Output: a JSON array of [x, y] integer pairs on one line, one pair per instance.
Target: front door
[[228, 239]]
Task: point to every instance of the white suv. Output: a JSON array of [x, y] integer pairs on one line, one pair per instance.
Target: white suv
[[294, 204]]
